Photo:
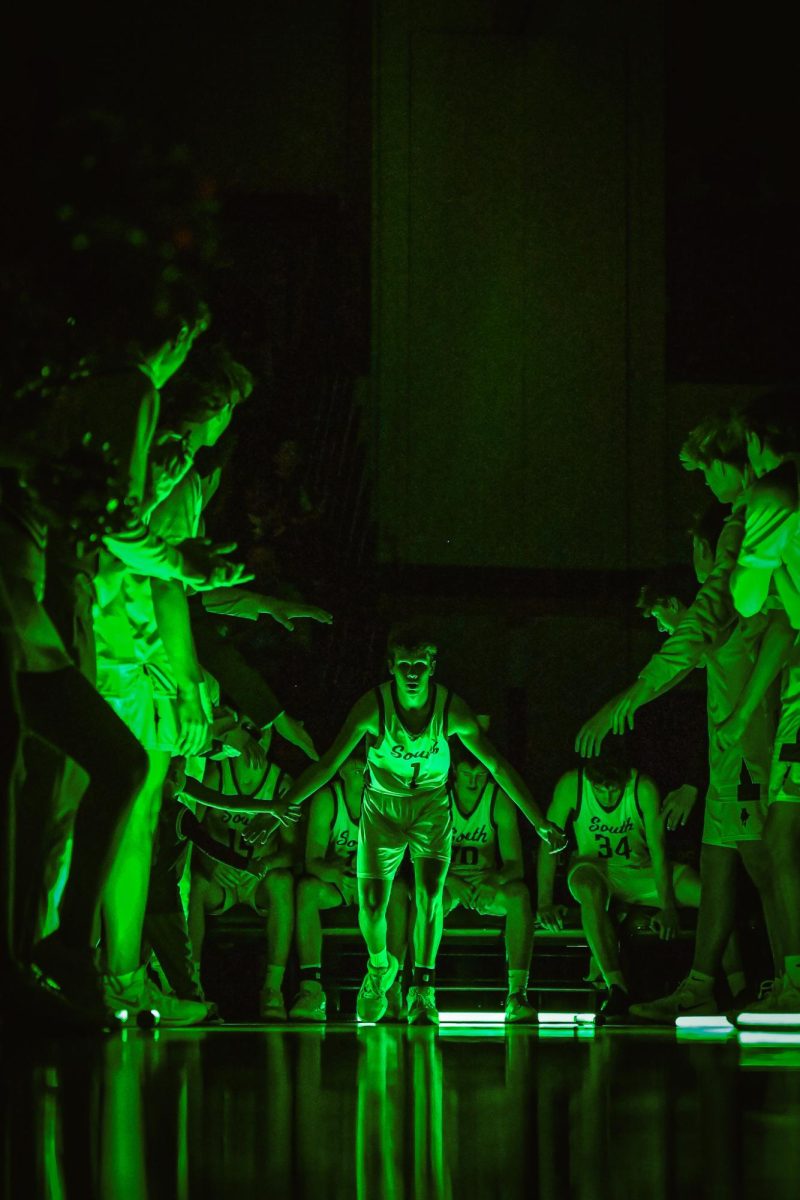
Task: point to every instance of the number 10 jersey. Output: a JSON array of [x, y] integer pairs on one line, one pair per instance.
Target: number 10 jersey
[[614, 833]]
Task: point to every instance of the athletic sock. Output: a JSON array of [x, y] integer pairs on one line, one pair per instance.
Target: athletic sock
[[379, 961], [273, 979], [311, 977], [702, 983], [616, 979], [424, 977], [517, 981], [791, 967], [737, 982]]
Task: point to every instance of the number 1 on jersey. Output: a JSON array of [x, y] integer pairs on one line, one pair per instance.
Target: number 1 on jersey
[[415, 770]]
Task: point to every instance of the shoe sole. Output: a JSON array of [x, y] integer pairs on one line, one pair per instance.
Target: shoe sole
[[423, 1019]]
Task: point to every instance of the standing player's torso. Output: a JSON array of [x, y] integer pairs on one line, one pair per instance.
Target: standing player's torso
[[475, 833], [615, 834], [402, 763], [344, 827], [227, 827]]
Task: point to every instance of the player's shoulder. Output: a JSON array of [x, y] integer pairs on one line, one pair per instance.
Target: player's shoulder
[[459, 713], [778, 489], [567, 786], [365, 710], [646, 788]]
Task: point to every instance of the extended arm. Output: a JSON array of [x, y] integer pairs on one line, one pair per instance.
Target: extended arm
[[773, 652], [666, 920], [561, 809]]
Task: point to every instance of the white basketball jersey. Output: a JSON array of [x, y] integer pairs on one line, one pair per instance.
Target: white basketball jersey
[[401, 763], [617, 833], [227, 827], [475, 833], [344, 830]]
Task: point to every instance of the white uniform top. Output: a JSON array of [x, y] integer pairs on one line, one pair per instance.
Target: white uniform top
[[228, 827], [616, 834], [401, 763], [343, 841], [475, 833]]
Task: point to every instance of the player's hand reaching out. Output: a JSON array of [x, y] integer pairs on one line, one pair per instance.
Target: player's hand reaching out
[[262, 825], [555, 838], [678, 805], [627, 704], [593, 732], [551, 916], [205, 565], [287, 611]]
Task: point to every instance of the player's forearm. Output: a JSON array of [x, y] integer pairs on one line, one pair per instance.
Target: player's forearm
[[236, 602], [146, 553], [206, 795], [663, 876], [171, 610], [512, 783], [749, 589], [545, 878], [312, 779]]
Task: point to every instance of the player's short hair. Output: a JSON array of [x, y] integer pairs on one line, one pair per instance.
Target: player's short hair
[[406, 635], [664, 585], [774, 418], [611, 769], [213, 380], [716, 439]]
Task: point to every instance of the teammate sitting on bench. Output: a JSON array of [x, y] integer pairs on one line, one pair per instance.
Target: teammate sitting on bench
[[486, 871]]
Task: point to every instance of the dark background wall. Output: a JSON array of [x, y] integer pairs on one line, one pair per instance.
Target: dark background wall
[[491, 260]]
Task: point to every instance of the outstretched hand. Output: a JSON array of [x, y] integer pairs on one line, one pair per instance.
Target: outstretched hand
[[593, 732], [294, 731], [553, 836], [287, 611]]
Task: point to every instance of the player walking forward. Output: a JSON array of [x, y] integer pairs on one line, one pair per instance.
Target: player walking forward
[[407, 722]]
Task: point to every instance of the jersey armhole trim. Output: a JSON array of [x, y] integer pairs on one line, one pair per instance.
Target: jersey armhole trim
[[381, 715], [579, 800], [446, 712], [492, 803], [636, 796]]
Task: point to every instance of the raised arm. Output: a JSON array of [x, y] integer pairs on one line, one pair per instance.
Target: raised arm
[[464, 724], [362, 719], [771, 521], [562, 806], [509, 842]]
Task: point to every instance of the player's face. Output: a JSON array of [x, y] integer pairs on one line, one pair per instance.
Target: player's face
[[608, 794], [412, 671], [470, 778], [211, 430], [667, 614], [724, 480], [352, 773]]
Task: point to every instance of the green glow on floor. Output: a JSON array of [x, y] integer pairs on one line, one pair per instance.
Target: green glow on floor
[[769, 1020], [472, 1018], [770, 1039], [566, 1018], [717, 1021]]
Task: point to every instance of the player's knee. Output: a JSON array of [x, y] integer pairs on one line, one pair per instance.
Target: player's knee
[[373, 899], [307, 895], [586, 886], [429, 895]]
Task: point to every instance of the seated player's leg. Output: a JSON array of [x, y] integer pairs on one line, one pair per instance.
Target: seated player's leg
[[588, 884], [312, 897], [275, 897], [206, 896], [513, 901], [382, 843]]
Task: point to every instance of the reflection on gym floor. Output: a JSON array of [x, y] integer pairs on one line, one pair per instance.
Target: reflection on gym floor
[[383, 1113]]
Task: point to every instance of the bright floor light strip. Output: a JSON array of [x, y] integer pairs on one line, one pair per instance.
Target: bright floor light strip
[[769, 1039], [472, 1018], [769, 1020], [566, 1018], [719, 1021]]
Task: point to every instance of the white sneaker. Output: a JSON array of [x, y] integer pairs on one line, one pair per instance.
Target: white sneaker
[[270, 1005], [372, 1003], [310, 1005], [135, 993], [686, 1001]]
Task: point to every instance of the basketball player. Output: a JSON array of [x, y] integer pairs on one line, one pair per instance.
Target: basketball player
[[709, 634], [264, 882], [486, 872], [330, 882], [406, 804], [620, 855], [767, 573]]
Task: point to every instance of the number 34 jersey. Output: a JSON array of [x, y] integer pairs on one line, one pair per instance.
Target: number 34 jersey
[[614, 833], [402, 763]]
